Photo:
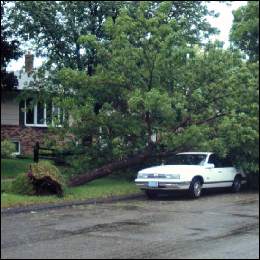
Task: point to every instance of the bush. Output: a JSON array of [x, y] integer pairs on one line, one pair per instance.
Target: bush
[[7, 149], [6, 186], [23, 185], [43, 178]]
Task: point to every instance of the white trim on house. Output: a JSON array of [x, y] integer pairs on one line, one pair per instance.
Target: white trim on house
[[35, 114], [19, 147]]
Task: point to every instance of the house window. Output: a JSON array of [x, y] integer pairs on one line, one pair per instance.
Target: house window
[[17, 147], [41, 111], [57, 116], [29, 108], [41, 114], [35, 114]]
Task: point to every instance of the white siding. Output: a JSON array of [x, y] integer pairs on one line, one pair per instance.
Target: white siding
[[9, 112]]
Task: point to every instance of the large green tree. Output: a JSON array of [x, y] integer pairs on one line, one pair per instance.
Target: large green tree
[[245, 36], [158, 93], [154, 88], [53, 28], [245, 29], [9, 50]]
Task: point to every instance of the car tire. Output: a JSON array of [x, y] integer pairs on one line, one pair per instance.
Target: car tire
[[151, 194], [195, 188], [237, 184]]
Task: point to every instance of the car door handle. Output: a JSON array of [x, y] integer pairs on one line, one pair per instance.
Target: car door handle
[[219, 171]]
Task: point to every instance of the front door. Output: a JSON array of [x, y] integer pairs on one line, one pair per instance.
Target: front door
[[220, 175]]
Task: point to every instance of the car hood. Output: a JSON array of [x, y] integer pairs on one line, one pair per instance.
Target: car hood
[[168, 169]]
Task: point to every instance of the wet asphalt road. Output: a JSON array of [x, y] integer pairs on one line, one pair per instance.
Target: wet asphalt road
[[218, 225]]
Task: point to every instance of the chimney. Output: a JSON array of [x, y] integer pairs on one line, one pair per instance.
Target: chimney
[[29, 63]]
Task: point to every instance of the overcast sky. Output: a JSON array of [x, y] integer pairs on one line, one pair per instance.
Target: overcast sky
[[223, 23], [225, 19]]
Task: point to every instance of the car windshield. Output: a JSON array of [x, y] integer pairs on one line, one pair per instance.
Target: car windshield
[[186, 159]]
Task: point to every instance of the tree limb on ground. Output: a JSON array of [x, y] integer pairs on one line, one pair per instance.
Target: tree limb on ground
[[117, 165]]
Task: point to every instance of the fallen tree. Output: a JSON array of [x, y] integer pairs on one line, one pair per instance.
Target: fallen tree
[[124, 163], [153, 80]]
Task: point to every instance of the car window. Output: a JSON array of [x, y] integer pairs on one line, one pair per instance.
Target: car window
[[215, 160], [227, 162], [186, 159]]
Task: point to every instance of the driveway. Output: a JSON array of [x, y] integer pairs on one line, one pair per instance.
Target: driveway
[[218, 225]]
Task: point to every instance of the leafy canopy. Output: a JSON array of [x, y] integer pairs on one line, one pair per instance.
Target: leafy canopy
[[150, 81], [153, 81], [245, 29], [9, 50]]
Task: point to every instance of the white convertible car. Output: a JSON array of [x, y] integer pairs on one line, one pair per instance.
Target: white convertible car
[[190, 171]]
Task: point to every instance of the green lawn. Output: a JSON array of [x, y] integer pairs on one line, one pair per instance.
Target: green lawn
[[10, 168], [101, 188]]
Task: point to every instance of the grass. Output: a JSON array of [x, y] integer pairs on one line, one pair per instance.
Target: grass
[[10, 168], [101, 188]]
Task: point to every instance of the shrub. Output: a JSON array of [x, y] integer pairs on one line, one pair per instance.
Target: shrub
[[43, 178], [23, 185], [6, 186], [7, 149]]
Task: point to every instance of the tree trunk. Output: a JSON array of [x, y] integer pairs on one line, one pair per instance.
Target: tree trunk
[[109, 168], [117, 165]]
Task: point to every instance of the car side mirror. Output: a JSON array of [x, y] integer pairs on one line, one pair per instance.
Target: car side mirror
[[209, 165], [163, 162]]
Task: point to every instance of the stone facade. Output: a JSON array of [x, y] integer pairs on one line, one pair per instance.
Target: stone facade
[[27, 136]]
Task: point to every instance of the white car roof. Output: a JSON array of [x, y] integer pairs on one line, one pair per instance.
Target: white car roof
[[206, 153]]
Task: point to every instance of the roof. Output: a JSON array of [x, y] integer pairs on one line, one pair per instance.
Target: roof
[[206, 153], [23, 79]]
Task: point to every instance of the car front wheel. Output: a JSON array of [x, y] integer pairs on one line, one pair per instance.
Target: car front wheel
[[195, 188], [236, 187]]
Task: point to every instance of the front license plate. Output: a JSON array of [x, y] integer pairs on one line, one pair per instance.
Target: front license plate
[[153, 184]]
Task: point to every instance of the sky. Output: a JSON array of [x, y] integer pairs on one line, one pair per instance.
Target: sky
[[223, 23], [225, 19]]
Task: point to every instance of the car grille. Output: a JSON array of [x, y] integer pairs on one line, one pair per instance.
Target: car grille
[[157, 176]]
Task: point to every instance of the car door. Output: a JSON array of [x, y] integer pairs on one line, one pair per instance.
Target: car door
[[219, 176], [229, 170]]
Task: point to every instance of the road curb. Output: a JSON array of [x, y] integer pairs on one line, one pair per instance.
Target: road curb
[[16, 210]]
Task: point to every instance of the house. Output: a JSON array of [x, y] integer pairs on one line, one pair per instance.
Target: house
[[21, 123]]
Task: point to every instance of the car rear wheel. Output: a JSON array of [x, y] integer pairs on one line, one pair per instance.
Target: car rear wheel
[[236, 187], [195, 188], [151, 194]]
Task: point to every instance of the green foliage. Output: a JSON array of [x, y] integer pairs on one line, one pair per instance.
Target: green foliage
[[7, 149], [6, 186], [148, 74], [245, 29], [10, 50], [192, 98], [23, 185], [54, 27]]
